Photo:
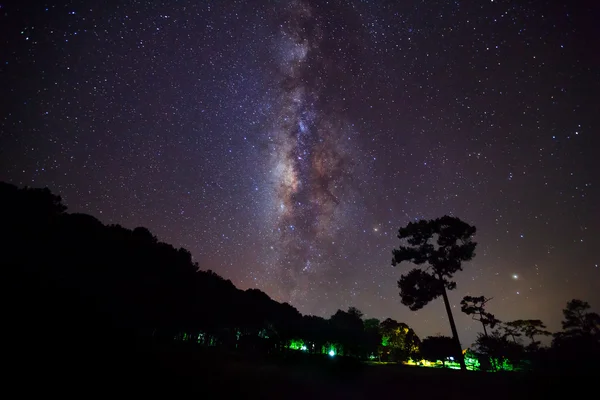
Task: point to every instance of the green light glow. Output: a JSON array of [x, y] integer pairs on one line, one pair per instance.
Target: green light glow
[[471, 361], [336, 348], [297, 344], [385, 341]]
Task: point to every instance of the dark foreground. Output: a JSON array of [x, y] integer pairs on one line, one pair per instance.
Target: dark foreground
[[173, 371]]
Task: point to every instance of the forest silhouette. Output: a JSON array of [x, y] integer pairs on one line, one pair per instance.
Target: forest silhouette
[[81, 293]]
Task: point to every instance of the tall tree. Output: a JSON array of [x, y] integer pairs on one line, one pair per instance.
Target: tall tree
[[475, 307], [441, 244]]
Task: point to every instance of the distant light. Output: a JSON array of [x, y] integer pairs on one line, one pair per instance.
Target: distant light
[[515, 276], [331, 353], [451, 358], [303, 348]]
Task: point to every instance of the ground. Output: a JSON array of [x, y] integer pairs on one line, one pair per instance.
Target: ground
[[173, 372]]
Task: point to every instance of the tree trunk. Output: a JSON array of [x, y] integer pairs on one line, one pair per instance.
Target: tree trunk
[[492, 359], [461, 359]]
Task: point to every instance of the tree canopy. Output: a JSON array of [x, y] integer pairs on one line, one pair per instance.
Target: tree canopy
[[529, 328]]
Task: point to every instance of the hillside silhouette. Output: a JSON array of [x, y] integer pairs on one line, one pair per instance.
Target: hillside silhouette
[[90, 305], [86, 294]]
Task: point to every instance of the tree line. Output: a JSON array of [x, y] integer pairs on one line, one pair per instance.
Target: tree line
[[73, 281]]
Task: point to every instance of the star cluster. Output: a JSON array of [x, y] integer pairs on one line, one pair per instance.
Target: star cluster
[[285, 142]]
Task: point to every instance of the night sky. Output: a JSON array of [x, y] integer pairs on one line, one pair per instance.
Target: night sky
[[285, 142]]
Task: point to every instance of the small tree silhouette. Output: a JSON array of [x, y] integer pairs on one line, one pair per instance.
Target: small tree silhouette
[[579, 342], [497, 348], [530, 328], [475, 307], [510, 329], [443, 244], [578, 320]]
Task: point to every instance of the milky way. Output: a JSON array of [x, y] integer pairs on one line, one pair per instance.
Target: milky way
[[313, 164]]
